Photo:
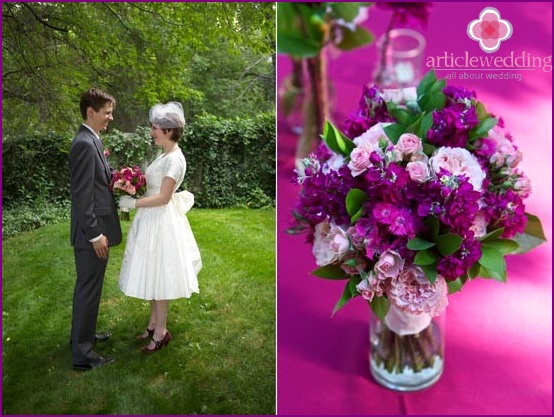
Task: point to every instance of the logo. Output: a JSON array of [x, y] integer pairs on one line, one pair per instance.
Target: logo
[[490, 30]]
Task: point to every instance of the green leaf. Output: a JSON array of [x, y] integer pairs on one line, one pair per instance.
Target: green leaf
[[448, 244], [482, 129], [403, 116], [296, 35], [425, 257], [430, 272], [348, 293], [425, 125], [433, 227], [474, 270], [426, 83], [299, 47], [413, 107], [482, 113], [394, 131], [334, 272], [532, 236], [428, 149], [336, 140], [380, 306], [347, 11], [492, 235], [355, 200], [354, 39], [493, 261], [497, 275], [433, 101], [418, 243], [504, 246], [454, 286]]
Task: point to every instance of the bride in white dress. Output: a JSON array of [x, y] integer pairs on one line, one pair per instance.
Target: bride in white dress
[[161, 260]]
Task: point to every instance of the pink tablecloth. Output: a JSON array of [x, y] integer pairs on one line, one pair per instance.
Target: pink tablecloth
[[498, 336]]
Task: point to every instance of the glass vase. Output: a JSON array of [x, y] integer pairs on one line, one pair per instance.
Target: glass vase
[[401, 58], [406, 351]]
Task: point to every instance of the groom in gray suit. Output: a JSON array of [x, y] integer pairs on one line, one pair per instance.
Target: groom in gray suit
[[94, 225]]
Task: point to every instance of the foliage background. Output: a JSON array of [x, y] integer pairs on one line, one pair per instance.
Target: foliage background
[[217, 58]]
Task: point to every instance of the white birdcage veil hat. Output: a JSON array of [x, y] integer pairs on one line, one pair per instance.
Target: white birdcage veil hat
[[167, 116]]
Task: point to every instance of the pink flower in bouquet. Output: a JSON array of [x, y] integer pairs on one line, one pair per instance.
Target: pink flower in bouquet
[[389, 265], [458, 161], [129, 181], [409, 144], [330, 243], [412, 293], [418, 170]]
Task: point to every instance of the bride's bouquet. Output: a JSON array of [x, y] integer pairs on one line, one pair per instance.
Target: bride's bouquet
[[128, 181]]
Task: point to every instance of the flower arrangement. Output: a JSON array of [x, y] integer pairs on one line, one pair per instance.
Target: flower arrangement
[[128, 181], [418, 196]]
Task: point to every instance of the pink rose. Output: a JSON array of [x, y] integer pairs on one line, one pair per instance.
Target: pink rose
[[479, 226], [522, 186], [330, 243], [389, 265], [370, 139], [418, 170], [359, 160], [409, 144], [370, 287]]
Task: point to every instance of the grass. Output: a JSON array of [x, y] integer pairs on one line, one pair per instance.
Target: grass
[[222, 358]]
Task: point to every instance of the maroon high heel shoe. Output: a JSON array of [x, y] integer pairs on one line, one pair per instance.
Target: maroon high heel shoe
[[149, 334], [159, 344]]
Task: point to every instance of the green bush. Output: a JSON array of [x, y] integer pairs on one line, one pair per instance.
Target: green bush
[[230, 163], [24, 218], [35, 168]]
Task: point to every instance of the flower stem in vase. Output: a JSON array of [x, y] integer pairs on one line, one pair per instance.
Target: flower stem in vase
[[406, 362]]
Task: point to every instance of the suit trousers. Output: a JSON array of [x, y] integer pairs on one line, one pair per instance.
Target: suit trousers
[[86, 302]]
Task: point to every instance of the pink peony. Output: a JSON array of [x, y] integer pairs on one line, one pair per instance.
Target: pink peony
[[458, 161], [412, 293]]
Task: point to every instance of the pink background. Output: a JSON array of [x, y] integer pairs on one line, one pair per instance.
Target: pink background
[[498, 336]]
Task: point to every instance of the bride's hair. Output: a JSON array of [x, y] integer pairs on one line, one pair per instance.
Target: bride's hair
[[176, 133]]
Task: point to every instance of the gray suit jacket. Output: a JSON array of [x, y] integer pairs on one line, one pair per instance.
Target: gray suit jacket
[[93, 209]]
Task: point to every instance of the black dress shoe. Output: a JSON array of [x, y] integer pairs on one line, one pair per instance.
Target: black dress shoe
[[102, 337], [98, 363]]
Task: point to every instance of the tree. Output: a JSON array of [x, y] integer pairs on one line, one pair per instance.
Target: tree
[[142, 53]]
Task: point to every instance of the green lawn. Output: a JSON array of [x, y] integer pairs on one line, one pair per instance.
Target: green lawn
[[222, 358]]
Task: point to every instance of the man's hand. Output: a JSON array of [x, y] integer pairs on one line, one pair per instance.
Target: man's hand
[[101, 247]]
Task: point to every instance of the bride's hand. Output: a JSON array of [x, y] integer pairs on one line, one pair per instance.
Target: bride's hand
[[127, 202]]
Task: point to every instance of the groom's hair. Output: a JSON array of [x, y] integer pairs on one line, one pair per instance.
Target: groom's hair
[[96, 99]]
